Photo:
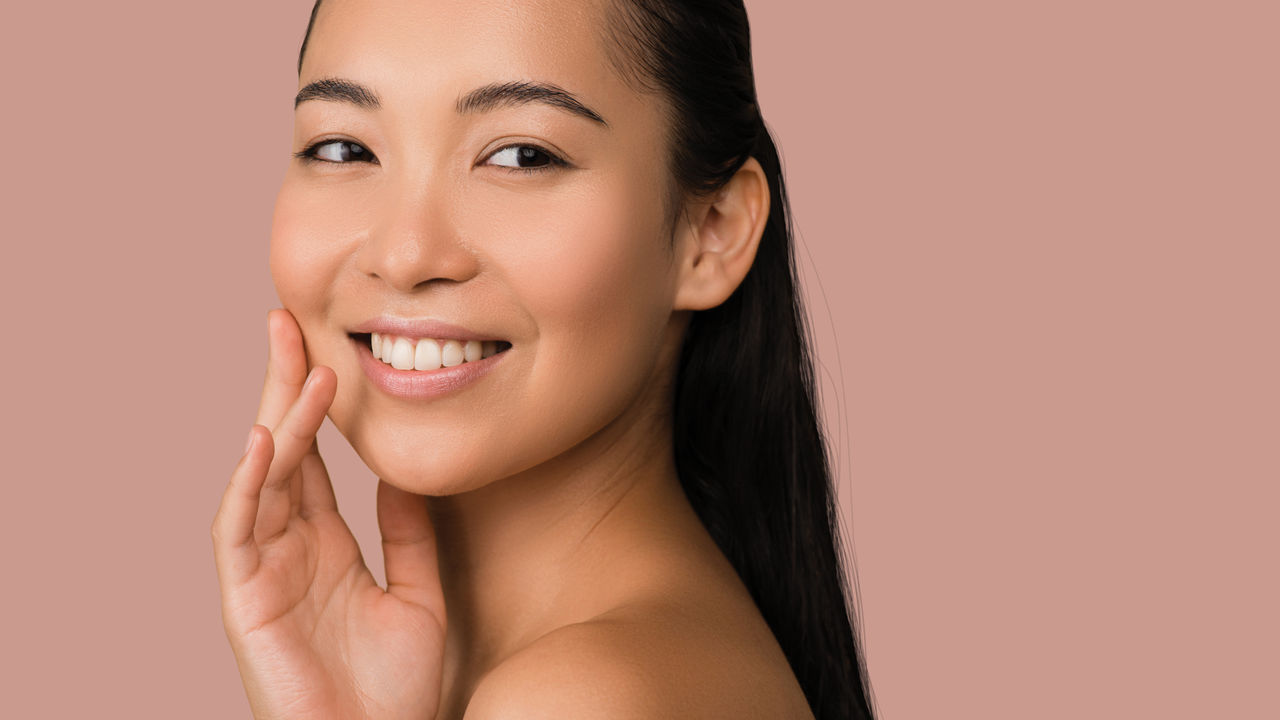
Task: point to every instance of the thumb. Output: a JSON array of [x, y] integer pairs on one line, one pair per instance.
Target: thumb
[[409, 548]]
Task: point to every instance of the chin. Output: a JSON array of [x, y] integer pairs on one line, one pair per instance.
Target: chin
[[407, 471], [405, 461]]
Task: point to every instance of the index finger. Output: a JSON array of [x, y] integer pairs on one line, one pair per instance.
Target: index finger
[[286, 367]]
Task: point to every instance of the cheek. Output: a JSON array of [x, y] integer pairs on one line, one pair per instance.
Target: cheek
[[291, 256], [591, 270], [311, 232], [587, 263]]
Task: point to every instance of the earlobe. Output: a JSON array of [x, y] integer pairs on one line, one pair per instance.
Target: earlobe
[[721, 239]]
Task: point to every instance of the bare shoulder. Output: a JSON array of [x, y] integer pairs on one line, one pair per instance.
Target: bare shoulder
[[653, 660]]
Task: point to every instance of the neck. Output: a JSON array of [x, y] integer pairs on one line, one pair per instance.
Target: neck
[[558, 543]]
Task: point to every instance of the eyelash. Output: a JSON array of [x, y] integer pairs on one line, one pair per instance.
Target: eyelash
[[308, 155]]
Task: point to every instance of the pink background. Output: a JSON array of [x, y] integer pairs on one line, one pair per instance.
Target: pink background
[[1040, 242]]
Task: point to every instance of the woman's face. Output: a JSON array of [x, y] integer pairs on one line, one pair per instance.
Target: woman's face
[[503, 209]]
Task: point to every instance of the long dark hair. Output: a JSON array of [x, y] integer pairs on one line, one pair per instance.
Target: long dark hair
[[749, 448]]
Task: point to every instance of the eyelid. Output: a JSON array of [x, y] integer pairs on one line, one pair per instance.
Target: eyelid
[[308, 154], [557, 159]]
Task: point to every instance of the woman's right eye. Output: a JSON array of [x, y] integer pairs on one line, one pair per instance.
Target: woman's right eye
[[335, 151]]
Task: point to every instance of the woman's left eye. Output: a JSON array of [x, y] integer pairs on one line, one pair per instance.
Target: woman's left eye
[[529, 158]]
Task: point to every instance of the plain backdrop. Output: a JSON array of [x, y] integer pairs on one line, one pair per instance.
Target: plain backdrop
[[1039, 243]]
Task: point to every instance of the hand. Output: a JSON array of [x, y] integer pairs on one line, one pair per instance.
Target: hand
[[313, 634]]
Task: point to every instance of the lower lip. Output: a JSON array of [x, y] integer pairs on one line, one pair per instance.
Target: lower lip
[[423, 384]]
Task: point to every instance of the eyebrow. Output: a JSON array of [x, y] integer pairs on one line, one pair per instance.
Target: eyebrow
[[482, 99], [339, 90], [522, 93]]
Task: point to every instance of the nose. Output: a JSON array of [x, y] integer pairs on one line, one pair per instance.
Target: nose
[[415, 241]]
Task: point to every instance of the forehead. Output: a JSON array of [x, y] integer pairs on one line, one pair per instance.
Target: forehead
[[422, 50]]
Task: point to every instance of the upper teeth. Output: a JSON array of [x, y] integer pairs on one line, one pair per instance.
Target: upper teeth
[[404, 353]]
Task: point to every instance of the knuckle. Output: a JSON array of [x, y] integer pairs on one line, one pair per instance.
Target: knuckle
[[298, 433]]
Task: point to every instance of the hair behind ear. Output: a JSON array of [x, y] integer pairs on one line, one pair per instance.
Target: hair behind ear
[[749, 449], [752, 459]]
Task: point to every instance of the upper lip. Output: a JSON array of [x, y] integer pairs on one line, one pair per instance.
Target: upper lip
[[419, 328]]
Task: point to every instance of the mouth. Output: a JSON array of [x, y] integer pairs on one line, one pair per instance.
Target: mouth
[[427, 354]]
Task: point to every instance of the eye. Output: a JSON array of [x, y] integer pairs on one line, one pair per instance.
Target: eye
[[336, 151], [529, 158]]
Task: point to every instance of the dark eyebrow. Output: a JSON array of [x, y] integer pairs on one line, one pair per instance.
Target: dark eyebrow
[[520, 93], [339, 90], [479, 100]]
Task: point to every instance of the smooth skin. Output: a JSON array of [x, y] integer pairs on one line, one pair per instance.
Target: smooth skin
[[539, 504]]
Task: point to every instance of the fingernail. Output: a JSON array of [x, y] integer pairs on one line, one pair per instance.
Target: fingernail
[[249, 443], [310, 377]]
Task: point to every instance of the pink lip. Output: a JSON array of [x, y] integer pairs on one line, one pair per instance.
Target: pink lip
[[424, 328], [422, 384]]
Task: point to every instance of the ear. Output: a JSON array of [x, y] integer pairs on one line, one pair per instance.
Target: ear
[[719, 241]]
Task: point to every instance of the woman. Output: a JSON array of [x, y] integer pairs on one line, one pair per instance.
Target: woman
[[537, 257]]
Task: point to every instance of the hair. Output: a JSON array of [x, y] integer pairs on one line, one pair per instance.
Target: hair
[[749, 447]]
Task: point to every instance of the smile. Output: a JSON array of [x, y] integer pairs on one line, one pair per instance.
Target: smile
[[424, 368], [423, 354]]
